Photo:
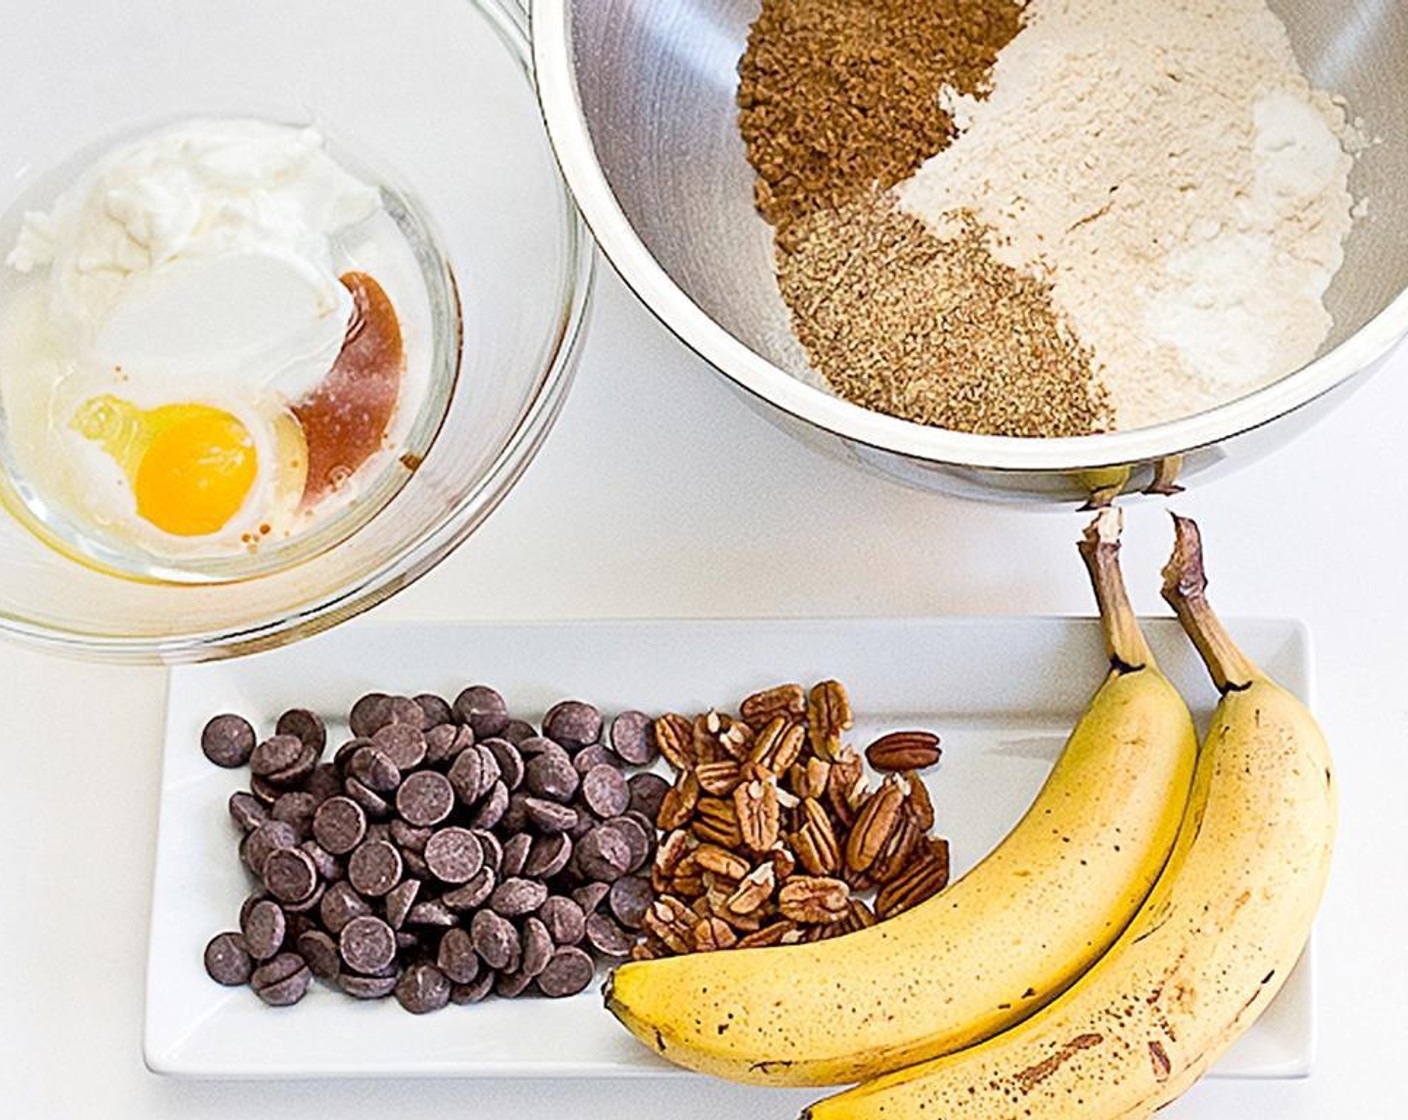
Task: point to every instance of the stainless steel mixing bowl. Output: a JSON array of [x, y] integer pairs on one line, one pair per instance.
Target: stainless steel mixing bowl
[[639, 101]]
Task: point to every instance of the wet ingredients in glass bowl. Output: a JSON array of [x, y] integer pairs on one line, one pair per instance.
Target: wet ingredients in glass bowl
[[223, 345]]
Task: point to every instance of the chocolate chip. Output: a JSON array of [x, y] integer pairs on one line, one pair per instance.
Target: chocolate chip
[[630, 738], [307, 902], [550, 774], [549, 816], [603, 855], [372, 803], [321, 954], [515, 854], [339, 825], [639, 839], [374, 768], [403, 709], [402, 743], [456, 956], [647, 793], [408, 943], [408, 837], [629, 899], [483, 709], [425, 798], [399, 900], [282, 981], [536, 745], [491, 807], [495, 940], [297, 808], [275, 754], [367, 944], [516, 730], [227, 740], [606, 937], [511, 984], [589, 896], [548, 855], [493, 849], [262, 788], [474, 991], [537, 947], [228, 960], [564, 919], [568, 972], [471, 776], [247, 811], [605, 791], [432, 912], [344, 753], [473, 894], [435, 710], [367, 987], [290, 875], [370, 714], [515, 897], [453, 855], [444, 743], [339, 905], [508, 760], [328, 866], [324, 782], [572, 723], [265, 839], [422, 988], [595, 755], [374, 867], [305, 725], [297, 772]]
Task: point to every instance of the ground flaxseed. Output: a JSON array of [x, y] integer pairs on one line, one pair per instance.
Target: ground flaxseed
[[937, 332], [838, 96]]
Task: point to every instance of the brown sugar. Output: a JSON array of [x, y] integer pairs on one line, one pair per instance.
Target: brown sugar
[[837, 97]]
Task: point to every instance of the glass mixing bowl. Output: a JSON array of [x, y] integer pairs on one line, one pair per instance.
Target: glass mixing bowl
[[440, 93]]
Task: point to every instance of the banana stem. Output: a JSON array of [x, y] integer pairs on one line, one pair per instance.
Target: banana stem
[[1185, 590], [1100, 548]]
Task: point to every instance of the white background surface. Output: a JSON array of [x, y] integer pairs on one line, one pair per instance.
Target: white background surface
[[659, 494]]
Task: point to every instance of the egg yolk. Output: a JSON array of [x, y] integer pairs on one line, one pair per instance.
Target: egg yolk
[[191, 466]]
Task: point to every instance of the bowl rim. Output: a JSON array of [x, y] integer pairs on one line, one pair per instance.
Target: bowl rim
[[570, 136], [418, 555]]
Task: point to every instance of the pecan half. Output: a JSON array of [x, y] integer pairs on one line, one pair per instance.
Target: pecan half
[[721, 862], [757, 813], [680, 803], [808, 777], [879, 818], [719, 778], [774, 933], [755, 889], [716, 822], [778, 745], [828, 715], [815, 842], [814, 900], [672, 922], [846, 774], [704, 738], [712, 934], [674, 736], [903, 750], [918, 805], [762, 708], [922, 879], [899, 852]]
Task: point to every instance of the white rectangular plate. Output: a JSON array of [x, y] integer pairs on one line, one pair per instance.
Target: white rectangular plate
[[1002, 693]]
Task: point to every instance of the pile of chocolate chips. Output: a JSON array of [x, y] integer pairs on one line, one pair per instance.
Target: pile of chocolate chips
[[446, 851]]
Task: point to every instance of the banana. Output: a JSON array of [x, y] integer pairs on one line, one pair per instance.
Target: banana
[[1214, 942], [982, 954]]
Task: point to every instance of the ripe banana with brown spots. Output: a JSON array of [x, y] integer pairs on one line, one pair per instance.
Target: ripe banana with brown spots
[[1214, 942]]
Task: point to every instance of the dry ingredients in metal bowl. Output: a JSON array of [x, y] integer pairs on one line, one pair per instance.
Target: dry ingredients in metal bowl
[[1071, 216]]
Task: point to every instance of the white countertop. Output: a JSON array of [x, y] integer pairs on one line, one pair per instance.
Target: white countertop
[[661, 494]]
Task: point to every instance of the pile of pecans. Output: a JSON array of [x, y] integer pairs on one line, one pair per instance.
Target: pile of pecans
[[773, 833]]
